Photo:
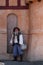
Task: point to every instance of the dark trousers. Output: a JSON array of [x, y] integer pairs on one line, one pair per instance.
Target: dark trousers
[[17, 52]]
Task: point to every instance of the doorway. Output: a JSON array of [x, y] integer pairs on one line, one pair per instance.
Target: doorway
[[12, 21]]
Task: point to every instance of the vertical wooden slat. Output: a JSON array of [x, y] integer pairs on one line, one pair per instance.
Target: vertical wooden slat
[[19, 2], [7, 2]]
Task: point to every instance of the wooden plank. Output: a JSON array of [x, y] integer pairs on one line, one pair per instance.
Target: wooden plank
[[13, 7]]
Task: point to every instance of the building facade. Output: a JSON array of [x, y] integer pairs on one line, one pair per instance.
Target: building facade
[[28, 16]]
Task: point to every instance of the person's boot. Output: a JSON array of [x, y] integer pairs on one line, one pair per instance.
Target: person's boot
[[21, 57], [15, 58]]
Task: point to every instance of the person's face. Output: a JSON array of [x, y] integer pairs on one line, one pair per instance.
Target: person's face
[[16, 31]]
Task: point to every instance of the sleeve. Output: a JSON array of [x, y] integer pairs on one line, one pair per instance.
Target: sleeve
[[11, 41], [21, 39]]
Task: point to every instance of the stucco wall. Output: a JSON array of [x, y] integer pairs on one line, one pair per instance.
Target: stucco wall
[[2, 2], [23, 24], [31, 23], [36, 31]]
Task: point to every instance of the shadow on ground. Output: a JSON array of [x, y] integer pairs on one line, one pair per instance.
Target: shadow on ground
[[22, 63]]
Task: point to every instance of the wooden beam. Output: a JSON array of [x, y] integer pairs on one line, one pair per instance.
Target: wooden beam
[[7, 2], [18, 7], [31, 1], [19, 2], [39, 0], [14, 7]]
